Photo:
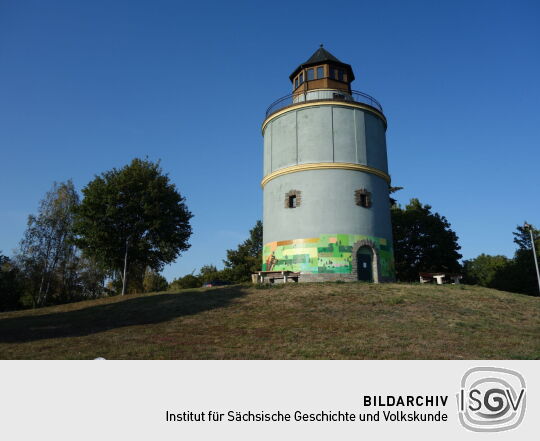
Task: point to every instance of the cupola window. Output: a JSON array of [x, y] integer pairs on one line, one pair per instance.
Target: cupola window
[[296, 82], [320, 72], [340, 75], [301, 77], [310, 74]]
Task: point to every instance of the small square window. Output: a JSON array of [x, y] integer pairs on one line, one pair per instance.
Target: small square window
[[292, 201], [310, 74], [320, 72], [363, 198]]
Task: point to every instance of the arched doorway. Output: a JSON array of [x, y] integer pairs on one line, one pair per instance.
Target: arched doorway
[[364, 264]]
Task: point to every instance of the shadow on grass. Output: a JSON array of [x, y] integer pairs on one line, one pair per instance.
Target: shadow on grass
[[130, 312]]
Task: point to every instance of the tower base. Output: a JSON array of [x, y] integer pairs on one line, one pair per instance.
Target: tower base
[[318, 278], [332, 257]]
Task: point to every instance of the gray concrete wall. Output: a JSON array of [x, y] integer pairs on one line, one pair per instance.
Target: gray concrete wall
[[326, 133], [328, 205], [375, 142], [283, 141], [267, 157], [314, 135]]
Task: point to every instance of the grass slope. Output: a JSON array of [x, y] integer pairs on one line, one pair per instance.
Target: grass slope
[[323, 321]]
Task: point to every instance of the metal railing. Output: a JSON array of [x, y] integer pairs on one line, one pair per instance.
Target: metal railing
[[323, 95]]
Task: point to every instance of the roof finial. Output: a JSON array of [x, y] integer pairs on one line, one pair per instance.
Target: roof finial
[[321, 45]]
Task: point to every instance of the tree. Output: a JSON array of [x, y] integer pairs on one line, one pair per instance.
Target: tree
[[188, 281], [423, 241], [522, 238], [91, 278], [246, 259], [515, 275], [209, 273], [483, 270], [520, 274], [47, 254], [154, 282], [132, 219], [393, 201], [10, 290]]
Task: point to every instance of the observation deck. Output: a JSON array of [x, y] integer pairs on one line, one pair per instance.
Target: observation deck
[[312, 96]]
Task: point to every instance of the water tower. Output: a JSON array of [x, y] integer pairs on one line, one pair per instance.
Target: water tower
[[326, 182]]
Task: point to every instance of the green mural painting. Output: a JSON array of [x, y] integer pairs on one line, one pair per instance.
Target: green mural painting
[[328, 253]]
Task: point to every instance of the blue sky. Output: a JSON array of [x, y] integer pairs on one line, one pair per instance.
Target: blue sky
[[87, 86]]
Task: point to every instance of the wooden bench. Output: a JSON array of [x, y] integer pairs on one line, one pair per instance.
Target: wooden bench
[[272, 276], [439, 277]]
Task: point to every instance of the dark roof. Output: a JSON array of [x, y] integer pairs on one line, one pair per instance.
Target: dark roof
[[321, 55]]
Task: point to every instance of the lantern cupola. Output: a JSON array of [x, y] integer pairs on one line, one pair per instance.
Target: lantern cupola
[[322, 71]]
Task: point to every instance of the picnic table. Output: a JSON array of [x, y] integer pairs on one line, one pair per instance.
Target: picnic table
[[272, 276], [439, 277]]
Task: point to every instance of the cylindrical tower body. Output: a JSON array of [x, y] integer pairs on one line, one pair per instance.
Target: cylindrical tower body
[[326, 182]]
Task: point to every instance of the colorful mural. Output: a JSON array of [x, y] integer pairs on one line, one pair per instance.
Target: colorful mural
[[328, 253]]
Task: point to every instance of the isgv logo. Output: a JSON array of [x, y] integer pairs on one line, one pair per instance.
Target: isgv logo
[[491, 399]]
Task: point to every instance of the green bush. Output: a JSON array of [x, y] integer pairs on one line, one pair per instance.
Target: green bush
[[153, 282], [189, 281]]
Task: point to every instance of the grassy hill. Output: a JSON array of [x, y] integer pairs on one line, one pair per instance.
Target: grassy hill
[[324, 321]]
